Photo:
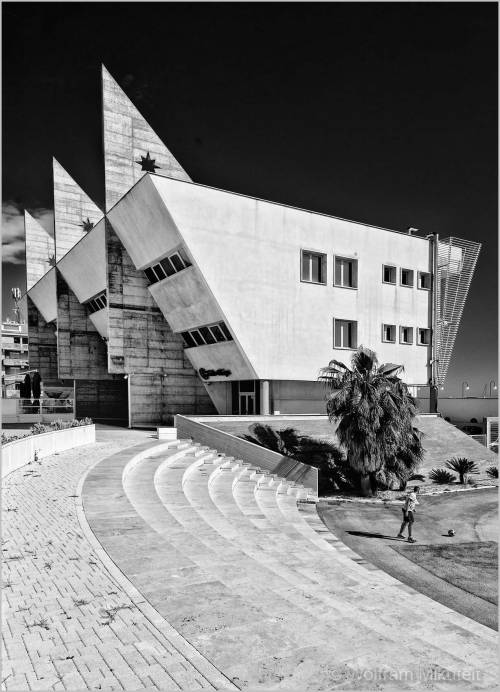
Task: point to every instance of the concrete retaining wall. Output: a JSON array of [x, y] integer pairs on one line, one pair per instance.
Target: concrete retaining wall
[[19, 452], [241, 449]]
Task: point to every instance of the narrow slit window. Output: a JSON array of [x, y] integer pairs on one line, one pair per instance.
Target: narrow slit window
[[188, 340]]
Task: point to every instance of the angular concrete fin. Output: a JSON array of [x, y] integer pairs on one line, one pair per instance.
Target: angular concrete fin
[[40, 251], [131, 147], [74, 212]]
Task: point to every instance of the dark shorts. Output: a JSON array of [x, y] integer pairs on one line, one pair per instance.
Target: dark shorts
[[408, 516]]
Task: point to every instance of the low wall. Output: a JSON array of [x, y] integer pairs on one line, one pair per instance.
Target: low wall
[[247, 451], [19, 452]]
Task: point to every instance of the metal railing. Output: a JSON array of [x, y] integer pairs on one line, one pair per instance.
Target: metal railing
[[457, 261], [44, 406]]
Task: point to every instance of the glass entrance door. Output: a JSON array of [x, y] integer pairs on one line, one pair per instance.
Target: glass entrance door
[[246, 397]]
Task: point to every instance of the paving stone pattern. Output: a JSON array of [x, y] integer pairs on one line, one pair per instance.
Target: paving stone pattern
[[264, 591], [68, 623]]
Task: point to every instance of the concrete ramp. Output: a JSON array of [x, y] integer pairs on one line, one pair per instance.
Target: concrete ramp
[[443, 441]]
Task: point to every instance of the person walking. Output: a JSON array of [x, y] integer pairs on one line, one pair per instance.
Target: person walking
[[409, 514]]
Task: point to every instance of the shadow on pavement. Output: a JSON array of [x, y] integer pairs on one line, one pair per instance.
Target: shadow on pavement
[[374, 535]]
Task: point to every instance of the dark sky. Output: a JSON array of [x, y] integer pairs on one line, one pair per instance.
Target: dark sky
[[376, 112]]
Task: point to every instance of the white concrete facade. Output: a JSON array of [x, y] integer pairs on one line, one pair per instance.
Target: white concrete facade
[[251, 279], [262, 295]]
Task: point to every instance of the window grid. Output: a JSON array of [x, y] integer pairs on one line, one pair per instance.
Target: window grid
[[207, 335], [313, 267], [168, 266], [345, 272], [97, 303], [345, 334]]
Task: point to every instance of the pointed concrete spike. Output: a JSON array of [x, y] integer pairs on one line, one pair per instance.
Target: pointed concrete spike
[[39, 250], [72, 208], [128, 139]]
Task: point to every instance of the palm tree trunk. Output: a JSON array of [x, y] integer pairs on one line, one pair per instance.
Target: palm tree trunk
[[365, 485]]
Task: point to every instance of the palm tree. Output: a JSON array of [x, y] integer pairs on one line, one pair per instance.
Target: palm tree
[[333, 470], [374, 412]]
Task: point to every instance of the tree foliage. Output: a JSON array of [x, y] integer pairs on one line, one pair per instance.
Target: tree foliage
[[374, 414]]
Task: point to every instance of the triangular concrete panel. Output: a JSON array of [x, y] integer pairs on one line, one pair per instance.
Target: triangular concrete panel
[[40, 250], [74, 212], [130, 145], [44, 296]]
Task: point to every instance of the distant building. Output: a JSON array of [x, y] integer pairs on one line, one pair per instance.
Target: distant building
[[14, 356], [184, 298]]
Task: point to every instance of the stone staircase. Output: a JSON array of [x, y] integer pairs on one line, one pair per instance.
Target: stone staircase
[[238, 561]]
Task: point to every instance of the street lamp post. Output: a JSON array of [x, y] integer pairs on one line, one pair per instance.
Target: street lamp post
[[465, 388], [493, 387]]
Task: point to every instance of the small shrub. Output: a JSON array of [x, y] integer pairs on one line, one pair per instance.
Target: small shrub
[[39, 429], [492, 471], [441, 476], [417, 477], [463, 467]]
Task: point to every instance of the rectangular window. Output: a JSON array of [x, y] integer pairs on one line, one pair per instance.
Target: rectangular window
[[167, 267], [197, 337], [424, 336], [389, 333], [177, 262], [217, 332], [424, 281], [184, 257], [346, 272], [345, 334], [388, 274], [406, 335], [151, 275], [207, 335], [407, 277], [313, 267], [188, 340], [226, 331], [160, 272]]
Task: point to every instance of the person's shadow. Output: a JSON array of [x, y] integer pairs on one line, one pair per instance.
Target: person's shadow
[[366, 534]]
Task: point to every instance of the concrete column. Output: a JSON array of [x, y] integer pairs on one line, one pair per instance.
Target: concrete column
[[265, 398]]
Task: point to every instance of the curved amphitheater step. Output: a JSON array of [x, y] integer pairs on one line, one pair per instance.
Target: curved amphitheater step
[[261, 589]]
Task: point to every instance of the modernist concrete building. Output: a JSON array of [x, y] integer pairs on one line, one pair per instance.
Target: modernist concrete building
[[184, 298]]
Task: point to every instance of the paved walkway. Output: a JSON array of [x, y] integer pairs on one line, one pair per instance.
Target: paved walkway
[[370, 529], [70, 619], [266, 592]]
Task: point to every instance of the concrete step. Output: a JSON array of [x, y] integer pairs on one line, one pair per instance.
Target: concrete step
[[273, 573]]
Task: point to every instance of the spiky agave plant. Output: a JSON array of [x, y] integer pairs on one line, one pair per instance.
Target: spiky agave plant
[[441, 476], [463, 466]]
